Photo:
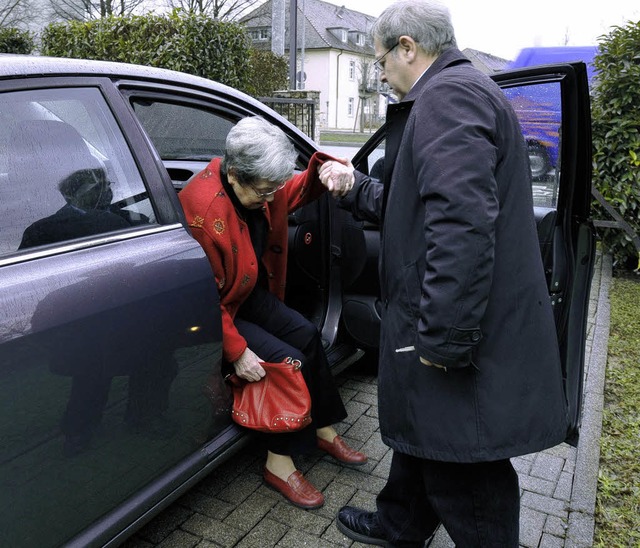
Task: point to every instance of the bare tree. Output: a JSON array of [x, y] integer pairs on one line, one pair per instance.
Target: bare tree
[[227, 10], [83, 10], [15, 13]]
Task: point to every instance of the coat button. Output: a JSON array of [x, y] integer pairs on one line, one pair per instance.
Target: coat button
[[475, 336]]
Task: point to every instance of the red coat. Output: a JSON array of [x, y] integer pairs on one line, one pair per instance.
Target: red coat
[[226, 240]]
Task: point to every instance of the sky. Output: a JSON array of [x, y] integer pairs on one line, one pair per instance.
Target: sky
[[504, 27]]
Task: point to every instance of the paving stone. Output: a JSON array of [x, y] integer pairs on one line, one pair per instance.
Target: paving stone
[[374, 448], [544, 504], [537, 485], [335, 537], [247, 514], [579, 531], [267, 533], [363, 428], [241, 488], [547, 466], [297, 518], [206, 544], [336, 495], [522, 465], [531, 525], [360, 386], [137, 542], [564, 486], [346, 393], [363, 499], [161, 527], [207, 505], [180, 539], [550, 541], [383, 468], [296, 539], [213, 530], [361, 480], [367, 398], [555, 526], [354, 410], [324, 472]]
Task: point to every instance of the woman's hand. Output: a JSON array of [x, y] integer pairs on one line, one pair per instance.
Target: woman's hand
[[248, 366], [337, 177]]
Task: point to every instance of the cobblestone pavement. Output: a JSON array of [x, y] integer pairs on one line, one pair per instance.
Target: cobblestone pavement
[[233, 507]]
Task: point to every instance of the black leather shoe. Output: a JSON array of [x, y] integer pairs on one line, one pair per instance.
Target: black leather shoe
[[361, 526]]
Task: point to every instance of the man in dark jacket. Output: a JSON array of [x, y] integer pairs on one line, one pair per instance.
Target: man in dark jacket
[[469, 371]]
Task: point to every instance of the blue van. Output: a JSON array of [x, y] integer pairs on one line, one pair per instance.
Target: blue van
[[539, 107]]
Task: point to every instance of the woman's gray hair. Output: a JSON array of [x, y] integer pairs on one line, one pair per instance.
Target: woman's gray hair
[[428, 22], [257, 150]]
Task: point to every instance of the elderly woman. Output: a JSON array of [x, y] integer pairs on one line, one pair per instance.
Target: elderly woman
[[237, 209]]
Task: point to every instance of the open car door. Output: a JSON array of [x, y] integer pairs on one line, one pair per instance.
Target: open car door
[[552, 104]]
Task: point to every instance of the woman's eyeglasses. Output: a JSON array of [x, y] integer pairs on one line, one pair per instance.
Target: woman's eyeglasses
[[264, 195]]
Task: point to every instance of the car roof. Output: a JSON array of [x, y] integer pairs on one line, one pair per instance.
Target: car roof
[[33, 66], [21, 66], [15, 65]]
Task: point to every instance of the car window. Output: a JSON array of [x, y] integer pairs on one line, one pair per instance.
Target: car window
[[183, 131], [66, 171], [539, 111]]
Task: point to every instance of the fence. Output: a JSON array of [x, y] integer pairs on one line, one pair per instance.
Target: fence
[[302, 112]]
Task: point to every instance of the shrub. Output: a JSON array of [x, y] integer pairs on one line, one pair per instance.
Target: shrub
[[190, 43], [616, 135], [13, 40], [269, 72]]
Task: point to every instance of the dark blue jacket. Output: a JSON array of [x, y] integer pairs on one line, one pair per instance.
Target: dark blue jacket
[[461, 277]]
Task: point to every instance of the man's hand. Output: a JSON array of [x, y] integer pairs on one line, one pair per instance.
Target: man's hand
[[337, 177], [248, 366]]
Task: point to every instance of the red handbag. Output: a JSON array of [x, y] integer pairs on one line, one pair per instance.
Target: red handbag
[[279, 402]]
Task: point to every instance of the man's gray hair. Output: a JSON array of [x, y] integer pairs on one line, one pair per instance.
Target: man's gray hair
[[428, 22], [256, 150]]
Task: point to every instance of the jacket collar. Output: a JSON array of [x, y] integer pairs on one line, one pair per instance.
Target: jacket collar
[[448, 58]]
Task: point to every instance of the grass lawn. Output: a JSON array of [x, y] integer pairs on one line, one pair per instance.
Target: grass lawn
[[328, 137], [618, 497]]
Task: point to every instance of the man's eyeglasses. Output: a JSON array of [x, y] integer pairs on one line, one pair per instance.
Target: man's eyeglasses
[[377, 63], [263, 195]]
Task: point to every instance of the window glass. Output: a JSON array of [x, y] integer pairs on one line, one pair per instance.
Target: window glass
[[66, 171], [183, 132], [539, 111]]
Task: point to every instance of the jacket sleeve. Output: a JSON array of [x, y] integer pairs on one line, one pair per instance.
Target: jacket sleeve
[[455, 156], [233, 344], [365, 199]]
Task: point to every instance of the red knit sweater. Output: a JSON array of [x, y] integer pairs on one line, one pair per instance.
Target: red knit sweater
[[225, 238]]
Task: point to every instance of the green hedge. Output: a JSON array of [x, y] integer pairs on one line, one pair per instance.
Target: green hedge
[[616, 135], [13, 40], [269, 72], [191, 43]]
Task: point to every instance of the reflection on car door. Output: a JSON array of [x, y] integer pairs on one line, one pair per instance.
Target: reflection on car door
[[553, 100], [107, 336]]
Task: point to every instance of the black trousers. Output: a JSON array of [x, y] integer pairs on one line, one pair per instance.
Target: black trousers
[[478, 503], [274, 332]]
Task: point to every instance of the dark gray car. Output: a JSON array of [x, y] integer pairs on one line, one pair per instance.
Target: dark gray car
[[110, 336]]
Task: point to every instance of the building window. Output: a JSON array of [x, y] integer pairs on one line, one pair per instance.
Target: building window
[[360, 39], [343, 35], [259, 35], [350, 106], [352, 70]]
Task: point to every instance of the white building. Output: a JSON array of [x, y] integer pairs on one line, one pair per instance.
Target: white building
[[335, 49]]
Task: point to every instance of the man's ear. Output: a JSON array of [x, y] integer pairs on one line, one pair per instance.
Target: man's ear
[[407, 46]]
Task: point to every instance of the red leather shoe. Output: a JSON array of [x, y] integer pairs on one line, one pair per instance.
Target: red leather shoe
[[339, 450], [297, 489]]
